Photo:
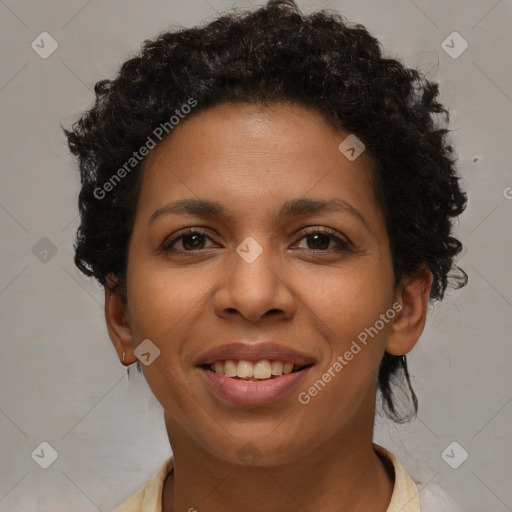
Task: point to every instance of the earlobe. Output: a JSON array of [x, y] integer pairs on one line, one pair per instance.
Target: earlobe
[[118, 326], [410, 321]]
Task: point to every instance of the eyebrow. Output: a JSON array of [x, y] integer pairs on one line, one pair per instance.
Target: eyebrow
[[292, 208]]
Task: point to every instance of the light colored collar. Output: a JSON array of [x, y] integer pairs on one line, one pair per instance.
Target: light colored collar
[[405, 497]]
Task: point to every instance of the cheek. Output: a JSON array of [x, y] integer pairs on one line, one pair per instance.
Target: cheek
[[347, 313], [347, 301], [161, 299], [163, 303]]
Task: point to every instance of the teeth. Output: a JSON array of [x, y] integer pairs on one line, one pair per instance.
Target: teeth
[[260, 370], [277, 367], [287, 368], [244, 369], [230, 368]]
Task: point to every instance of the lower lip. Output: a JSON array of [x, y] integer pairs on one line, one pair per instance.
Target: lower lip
[[247, 392]]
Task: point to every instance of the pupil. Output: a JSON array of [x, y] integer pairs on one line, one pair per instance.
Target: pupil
[[196, 237], [317, 237]]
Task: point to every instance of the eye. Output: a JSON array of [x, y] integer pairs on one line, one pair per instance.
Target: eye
[[192, 239], [320, 239]]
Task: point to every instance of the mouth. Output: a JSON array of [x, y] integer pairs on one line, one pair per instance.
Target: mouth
[[254, 371], [253, 374]]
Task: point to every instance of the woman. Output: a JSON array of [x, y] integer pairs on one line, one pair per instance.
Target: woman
[[268, 203]]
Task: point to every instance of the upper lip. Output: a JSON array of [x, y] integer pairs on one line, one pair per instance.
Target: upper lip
[[255, 352]]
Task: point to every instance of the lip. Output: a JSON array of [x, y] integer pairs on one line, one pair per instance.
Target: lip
[[252, 393], [255, 352]]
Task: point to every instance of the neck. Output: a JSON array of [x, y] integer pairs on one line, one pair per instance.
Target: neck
[[344, 475]]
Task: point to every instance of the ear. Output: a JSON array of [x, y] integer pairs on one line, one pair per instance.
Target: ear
[[408, 324], [118, 326]]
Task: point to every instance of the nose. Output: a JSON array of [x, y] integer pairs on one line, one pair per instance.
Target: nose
[[256, 289]]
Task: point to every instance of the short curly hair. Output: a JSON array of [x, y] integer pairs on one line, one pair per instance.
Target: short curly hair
[[277, 54]]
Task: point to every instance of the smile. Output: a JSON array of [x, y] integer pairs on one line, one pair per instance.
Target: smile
[[253, 370], [250, 390]]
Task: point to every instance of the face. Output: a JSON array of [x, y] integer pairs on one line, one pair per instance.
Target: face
[[269, 263]]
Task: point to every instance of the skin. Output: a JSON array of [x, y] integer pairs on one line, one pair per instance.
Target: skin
[[301, 292]]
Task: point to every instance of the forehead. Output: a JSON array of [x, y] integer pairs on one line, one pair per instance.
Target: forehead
[[281, 129], [251, 155]]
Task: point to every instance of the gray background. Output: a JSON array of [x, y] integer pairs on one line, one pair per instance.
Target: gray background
[[61, 381]]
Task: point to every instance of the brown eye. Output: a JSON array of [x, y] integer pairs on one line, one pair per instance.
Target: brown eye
[[321, 239], [187, 242], [193, 241]]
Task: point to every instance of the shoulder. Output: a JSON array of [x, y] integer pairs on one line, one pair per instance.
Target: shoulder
[[149, 498], [412, 496]]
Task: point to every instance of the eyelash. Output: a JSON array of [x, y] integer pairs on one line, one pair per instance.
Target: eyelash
[[344, 245]]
